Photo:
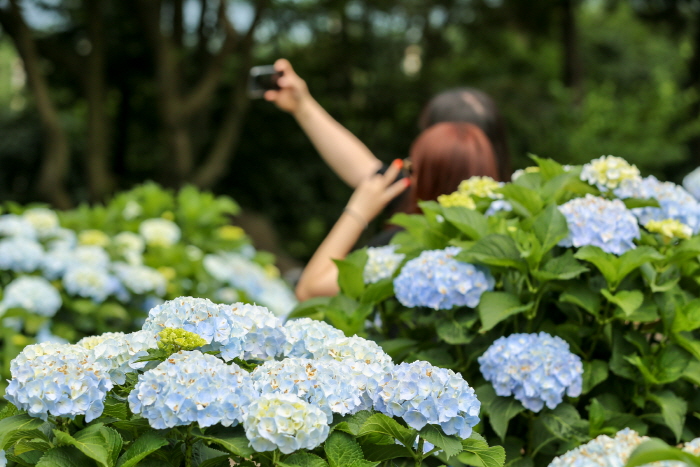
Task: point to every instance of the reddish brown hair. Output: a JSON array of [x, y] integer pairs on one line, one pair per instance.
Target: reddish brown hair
[[445, 154]]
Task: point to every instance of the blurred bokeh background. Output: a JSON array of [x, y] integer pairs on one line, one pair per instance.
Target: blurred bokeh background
[[99, 95]]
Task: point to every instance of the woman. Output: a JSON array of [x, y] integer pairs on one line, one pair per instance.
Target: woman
[[441, 157]]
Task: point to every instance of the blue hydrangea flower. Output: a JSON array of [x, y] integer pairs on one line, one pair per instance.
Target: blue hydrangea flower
[[498, 205], [382, 262], [34, 294], [140, 279], [324, 383], [249, 277], [118, 351], [62, 238], [20, 254], [421, 394], [284, 422], [91, 255], [305, 336], [605, 451], [192, 387], [264, 338], [89, 282], [12, 225], [607, 224], [691, 183], [56, 261], [355, 348], [61, 380], [215, 324], [536, 368], [436, 280], [675, 202]]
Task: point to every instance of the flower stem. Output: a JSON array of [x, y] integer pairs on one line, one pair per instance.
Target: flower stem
[[419, 452], [188, 447]]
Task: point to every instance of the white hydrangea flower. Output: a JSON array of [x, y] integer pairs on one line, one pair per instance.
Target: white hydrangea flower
[[160, 232], [607, 172]]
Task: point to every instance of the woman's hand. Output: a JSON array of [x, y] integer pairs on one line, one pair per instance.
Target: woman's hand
[[374, 193], [293, 92]]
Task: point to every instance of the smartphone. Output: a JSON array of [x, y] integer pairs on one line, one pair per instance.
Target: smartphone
[[262, 78]]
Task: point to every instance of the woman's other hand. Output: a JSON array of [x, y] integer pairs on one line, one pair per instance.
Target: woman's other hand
[[293, 90], [374, 193]]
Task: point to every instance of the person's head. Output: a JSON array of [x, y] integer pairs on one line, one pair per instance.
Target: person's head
[[471, 106], [445, 154]]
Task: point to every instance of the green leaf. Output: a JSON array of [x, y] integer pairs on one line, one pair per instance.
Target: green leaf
[[144, 445], [550, 227], [673, 409], [494, 250], [97, 441], [353, 423], [232, 440], [350, 273], [63, 457], [477, 453], [22, 422], [342, 451], [565, 423], [452, 332], [468, 221], [452, 445], [628, 300], [303, 459], [383, 452], [378, 292], [563, 268], [115, 408], [594, 373], [312, 308], [501, 412], [380, 423], [583, 296], [494, 307], [632, 203], [525, 201], [549, 168], [615, 269], [655, 450]]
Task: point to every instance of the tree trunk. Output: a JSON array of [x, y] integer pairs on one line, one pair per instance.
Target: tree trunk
[[571, 68], [54, 168], [100, 179]]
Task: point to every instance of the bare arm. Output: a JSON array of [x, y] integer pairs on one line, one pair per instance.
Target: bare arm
[[342, 151], [320, 277]]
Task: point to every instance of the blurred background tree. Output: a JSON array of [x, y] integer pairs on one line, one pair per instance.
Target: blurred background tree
[[97, 95]]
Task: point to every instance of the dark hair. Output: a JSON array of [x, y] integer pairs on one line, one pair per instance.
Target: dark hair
[[471, 106], [444, 155]]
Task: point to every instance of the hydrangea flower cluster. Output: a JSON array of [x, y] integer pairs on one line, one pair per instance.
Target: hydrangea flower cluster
[[607, 224], [61, 380], [93, 237], [141, 279], [192, 387], [215, 324], [20, 254], [483, 187], [34, 294], [421, 394], [88, 281], [12, 225], [45, 221], [119, 352], [284, 422], [324, 383], [305, 336], [669, 228], [173, 340], [436, 280], [355, 348], [675, 202], [264, 334], [691, 183], [160, 232], [456, 199], [498, 205], [607, 172], [536, 368], [381, 263], [240, 272], [605, 451]]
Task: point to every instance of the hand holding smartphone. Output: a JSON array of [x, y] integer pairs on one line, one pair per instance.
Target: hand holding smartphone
[[262, 78]]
